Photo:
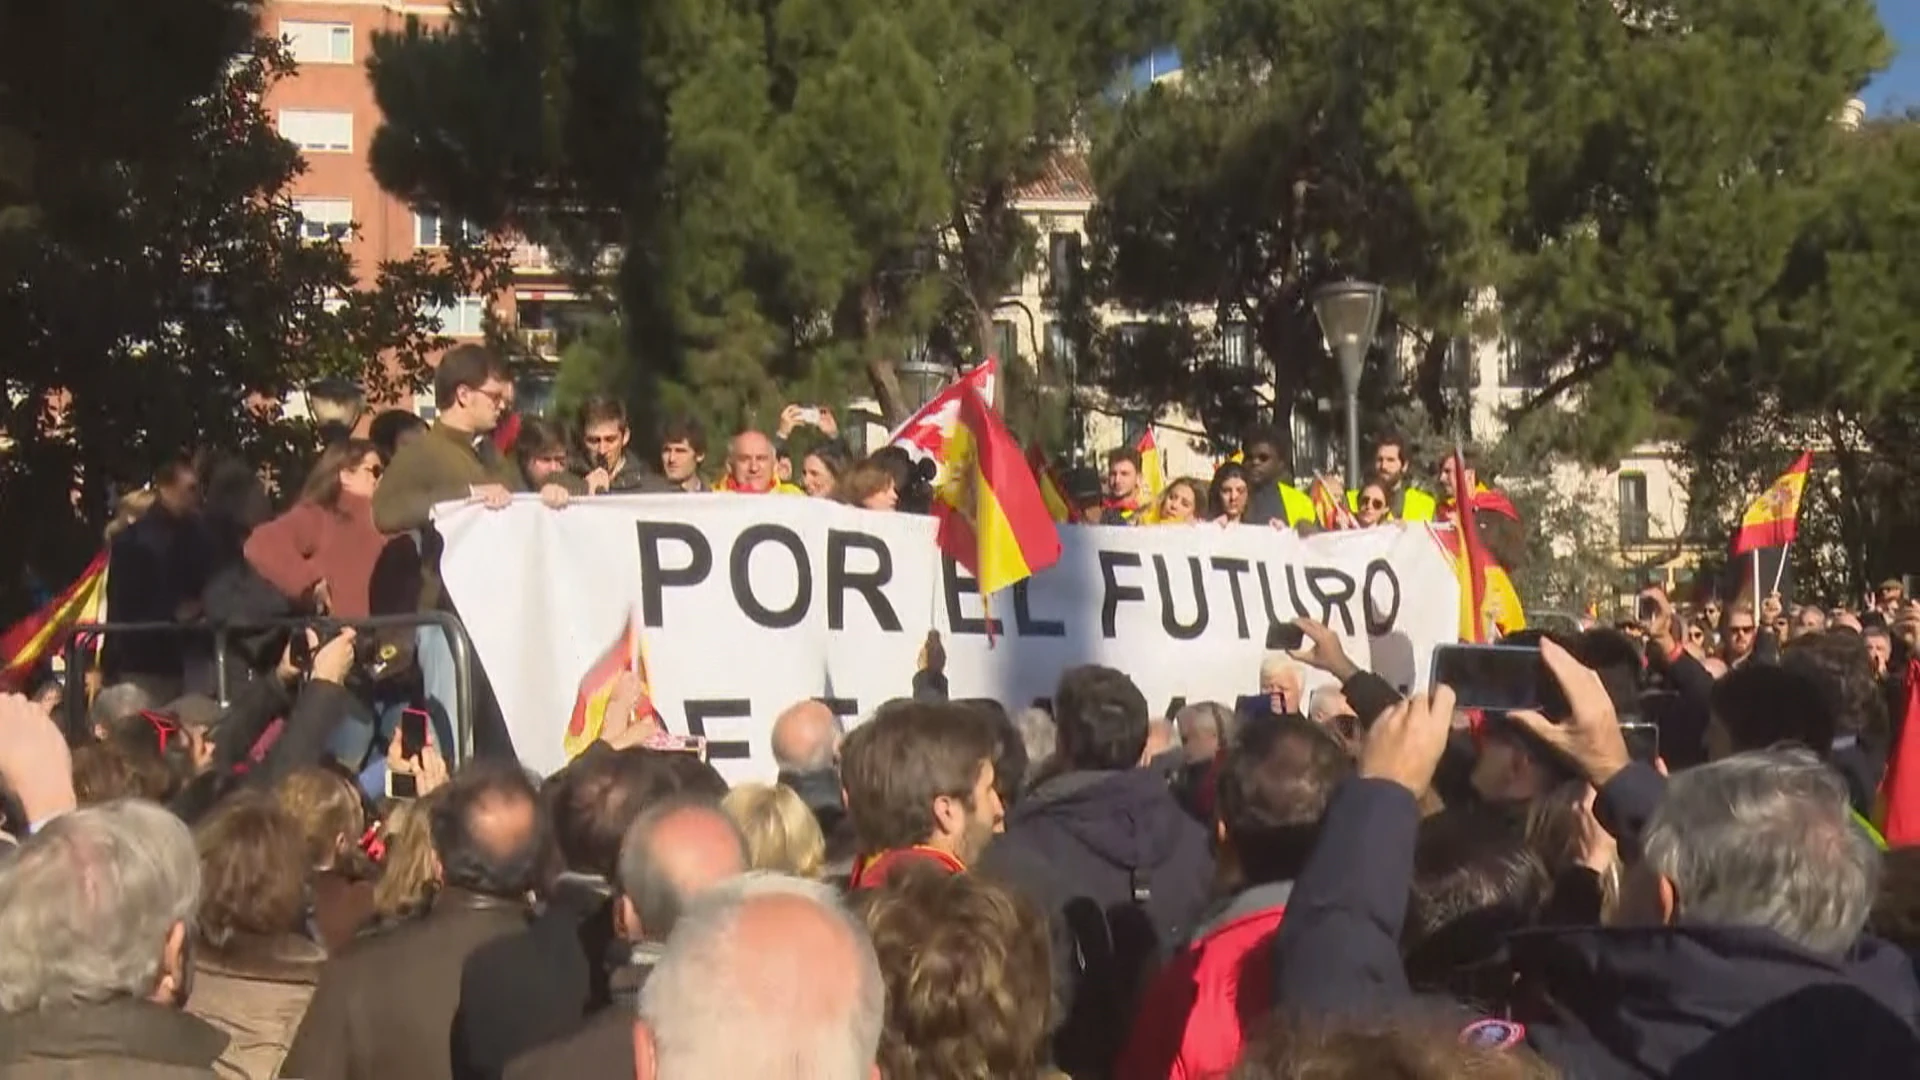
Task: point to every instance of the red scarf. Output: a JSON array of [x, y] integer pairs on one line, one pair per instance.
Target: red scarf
[[872, 871]]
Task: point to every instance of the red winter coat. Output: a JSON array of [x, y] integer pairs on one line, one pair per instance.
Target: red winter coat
[[1195, 1013]]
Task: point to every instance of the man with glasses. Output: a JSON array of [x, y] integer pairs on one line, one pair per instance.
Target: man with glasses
[[1741, 634], [454, 460], [1271, 497]]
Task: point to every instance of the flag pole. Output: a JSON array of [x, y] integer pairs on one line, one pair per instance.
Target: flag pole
[[1780, 571], [1756, 583]]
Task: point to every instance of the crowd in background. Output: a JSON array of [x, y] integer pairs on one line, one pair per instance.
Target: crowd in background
[[1671, 874]]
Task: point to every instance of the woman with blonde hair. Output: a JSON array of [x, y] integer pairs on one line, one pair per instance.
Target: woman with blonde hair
[[326, 806], [408, 877], [1181, 503], [782, 834]]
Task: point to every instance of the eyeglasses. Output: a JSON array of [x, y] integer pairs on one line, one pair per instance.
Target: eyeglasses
[[164, 727], [1740, 629], [498, 397], [373, 469], [1696, 635], [1374, 504]]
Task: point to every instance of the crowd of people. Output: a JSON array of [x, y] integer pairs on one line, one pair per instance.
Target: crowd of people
[[1667, 871]]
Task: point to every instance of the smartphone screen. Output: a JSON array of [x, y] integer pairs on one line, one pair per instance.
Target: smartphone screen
[[413, 732], [1643, 740], [1647, 609], [1284, 637], [1501, 678]]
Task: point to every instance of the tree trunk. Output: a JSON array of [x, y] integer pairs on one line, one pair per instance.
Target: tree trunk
[[883, 377]]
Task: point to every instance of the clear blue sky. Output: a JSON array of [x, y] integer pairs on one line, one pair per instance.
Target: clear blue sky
[[1898, 88]]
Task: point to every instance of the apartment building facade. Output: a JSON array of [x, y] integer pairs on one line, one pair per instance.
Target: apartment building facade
[[327, 109]]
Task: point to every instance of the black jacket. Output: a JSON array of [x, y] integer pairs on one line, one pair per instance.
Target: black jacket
[[1081, 843], [158, 564], [603, 1046], [1693, 1002], [532, 987]]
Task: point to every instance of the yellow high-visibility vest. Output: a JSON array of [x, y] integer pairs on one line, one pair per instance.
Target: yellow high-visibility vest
[[1297, 505], [1415, 505]]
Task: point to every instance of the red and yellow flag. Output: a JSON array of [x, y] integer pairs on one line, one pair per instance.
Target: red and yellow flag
[[1060, 505], [1900, 787], [1773, 518], [29, 641], [597, 687], [1470, 562], [1153, 474], [993, 519], [1327, 506]]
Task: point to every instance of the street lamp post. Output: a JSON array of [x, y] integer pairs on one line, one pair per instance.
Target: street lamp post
[[1349, 316], [921, 377]]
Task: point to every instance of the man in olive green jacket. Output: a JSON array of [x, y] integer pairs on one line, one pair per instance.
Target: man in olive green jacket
[[454, 460]]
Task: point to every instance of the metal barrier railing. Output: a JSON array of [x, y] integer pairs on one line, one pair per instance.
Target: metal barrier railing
[[458, 643]]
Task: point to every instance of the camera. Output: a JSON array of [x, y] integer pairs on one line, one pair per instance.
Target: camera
[[916, 495]]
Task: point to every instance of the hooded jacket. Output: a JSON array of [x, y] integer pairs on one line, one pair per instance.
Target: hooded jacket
[[1694, 1002], [1096, 848]]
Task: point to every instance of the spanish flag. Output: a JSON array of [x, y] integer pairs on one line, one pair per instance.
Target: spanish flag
[[1327, 506], [598, 684], [29, 641], [1153, 475], [1900, 787], [1774, 517], [1471, 561], [993, 518], [1060, 505], [1499, 603]]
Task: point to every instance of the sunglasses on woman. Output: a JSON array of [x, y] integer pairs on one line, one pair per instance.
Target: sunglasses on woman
[[1373, 504]]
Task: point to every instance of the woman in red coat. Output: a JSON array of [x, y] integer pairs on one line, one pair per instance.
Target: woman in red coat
[[321, 553]]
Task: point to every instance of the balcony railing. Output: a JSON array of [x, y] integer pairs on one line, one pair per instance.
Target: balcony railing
[[529, 258], [541, 342]]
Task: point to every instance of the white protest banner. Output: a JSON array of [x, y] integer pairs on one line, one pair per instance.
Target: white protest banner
[[747, 604]]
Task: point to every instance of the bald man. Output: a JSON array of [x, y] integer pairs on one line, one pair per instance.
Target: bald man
[[768, 977], [806, 747], [673, 853], [806, 737], [753, 467], [490, 839]]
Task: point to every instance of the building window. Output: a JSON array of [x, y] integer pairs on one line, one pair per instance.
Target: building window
[[1517, 367], [1063, 260], [1236, 345], [318, 42], [318, 132], [1635, 525], [1457, 369], [1060, 351], [1133, 428], [324, 219], [432, 230], [466, 318], [1006, 340]]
